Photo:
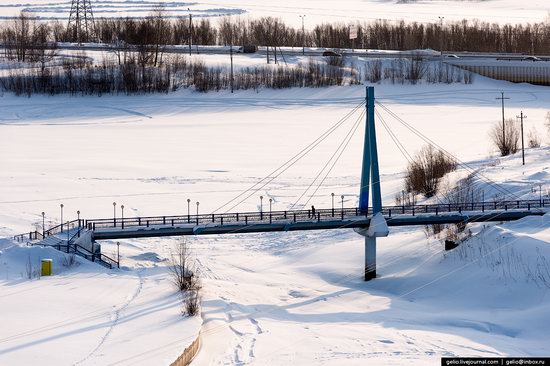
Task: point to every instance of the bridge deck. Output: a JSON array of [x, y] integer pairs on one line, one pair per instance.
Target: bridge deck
[[323, 219], [271, 224]]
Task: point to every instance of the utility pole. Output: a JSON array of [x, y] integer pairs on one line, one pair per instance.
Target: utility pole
[[521, 117], [441, 47], [231, 57], [502, 98], [190, 30], [303, 36]]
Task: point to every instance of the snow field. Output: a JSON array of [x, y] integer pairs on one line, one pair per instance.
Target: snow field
[[268, 299]]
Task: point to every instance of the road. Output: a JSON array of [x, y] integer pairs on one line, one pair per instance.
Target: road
[[297, 51]]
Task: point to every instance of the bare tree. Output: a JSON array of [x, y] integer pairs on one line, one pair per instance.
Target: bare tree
[[182, 268], [505, 138], [426, 170]]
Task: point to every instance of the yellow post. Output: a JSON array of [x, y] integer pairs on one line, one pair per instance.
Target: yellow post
[[47, 267]]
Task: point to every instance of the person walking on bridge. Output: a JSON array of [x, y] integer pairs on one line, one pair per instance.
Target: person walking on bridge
[[312, 211]]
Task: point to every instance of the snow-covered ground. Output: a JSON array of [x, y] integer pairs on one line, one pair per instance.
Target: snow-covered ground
[[88, 315], [500, 11], [272, 298]]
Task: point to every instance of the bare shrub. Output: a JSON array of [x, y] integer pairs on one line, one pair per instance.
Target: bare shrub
[[181, 267], [191, 303], [31, 271], [69, 260], [405, 198], [533, 139], [425, 171], [505, 138], [416, 69], [464, 192], [373, 71], [336, 61], [504, 260]]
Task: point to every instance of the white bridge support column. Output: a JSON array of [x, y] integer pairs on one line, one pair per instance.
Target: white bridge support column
[[370, 258]]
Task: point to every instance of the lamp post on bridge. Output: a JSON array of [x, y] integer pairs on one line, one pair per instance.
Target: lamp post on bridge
[[342, 197], [114, 214], [43, 224], [197, 211], [61, 205], [261, 207], [188, 210], [122, 218], [270, 201], [332, 196]]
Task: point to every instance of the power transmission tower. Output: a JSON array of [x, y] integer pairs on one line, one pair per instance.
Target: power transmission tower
[[81, 22]]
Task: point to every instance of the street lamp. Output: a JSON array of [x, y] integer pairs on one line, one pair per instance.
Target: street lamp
[[261, 207], [78, 216], [342, 197], [61, 205], [303, 35], [43, 224], [122, 218], [188, 210], [118, 254], [197, 212], [332, 196], [114, 214], [270, 201]]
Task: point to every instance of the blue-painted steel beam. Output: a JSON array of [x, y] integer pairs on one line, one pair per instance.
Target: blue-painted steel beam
[[375, 171], [370, 171], [366, 167]]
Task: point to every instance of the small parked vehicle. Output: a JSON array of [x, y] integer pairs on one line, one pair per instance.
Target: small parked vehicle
[[532, 58], [248, 49], [331, 53]]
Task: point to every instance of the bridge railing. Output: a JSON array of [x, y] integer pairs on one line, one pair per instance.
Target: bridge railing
[[37, 235], [443, 208], [294, 216], [225, 218]]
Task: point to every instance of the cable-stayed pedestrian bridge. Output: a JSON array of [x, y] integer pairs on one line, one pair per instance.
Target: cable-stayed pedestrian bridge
[[369, 218], [321, 219]]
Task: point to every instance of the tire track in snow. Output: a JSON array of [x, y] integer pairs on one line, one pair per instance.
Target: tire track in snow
[[115, 316]]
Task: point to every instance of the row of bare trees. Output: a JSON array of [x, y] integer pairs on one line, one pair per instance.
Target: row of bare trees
[[133, 76], [157, 29]]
